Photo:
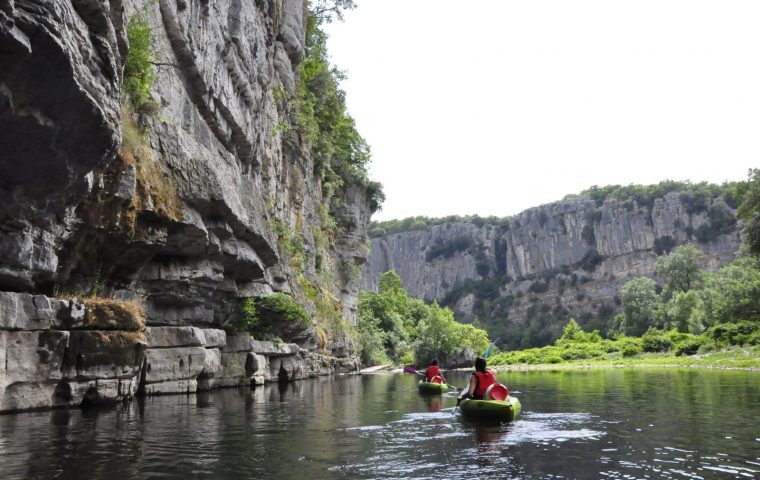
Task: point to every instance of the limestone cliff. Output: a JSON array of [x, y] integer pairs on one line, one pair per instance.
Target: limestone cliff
[[209, 197], [524, 277]]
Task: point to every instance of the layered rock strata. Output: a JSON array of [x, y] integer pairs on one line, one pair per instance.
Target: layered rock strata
[[62, 353], [202, 198]]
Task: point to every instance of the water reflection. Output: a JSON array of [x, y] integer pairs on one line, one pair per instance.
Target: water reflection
[[583, 424]]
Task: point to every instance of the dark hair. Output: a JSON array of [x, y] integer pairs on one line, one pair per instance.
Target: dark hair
[[434, 362], [480, 364]]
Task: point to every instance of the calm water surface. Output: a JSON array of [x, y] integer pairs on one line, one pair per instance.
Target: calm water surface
[[654, 423]]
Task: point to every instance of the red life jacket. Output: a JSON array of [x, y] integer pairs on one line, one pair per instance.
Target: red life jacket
[[483, 381], [431, 372]]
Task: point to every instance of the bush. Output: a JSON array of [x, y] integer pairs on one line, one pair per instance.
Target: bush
[[656, 343], [448, 248], [591, 260], [733, 333], [139, 76], [688, 347], [538, 287], [630, 350]]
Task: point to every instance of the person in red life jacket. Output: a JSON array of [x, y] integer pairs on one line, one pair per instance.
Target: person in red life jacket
[[479, 381], [433, 371]]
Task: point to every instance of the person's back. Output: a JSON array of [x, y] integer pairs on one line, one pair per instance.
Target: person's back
[[480, 381], [432, 372]]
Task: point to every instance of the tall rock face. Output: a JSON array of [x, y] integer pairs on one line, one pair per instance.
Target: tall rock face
[[529, 274], [206, 197]]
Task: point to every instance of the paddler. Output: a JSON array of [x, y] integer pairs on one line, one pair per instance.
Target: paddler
[[479, 381], [433, 371]]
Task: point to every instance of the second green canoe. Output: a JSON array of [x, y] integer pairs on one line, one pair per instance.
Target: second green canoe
[[429, 388], [503, 410]]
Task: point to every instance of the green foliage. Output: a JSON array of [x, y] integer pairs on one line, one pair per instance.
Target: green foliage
[[640, 302], [139, 76], [733, 292], [591, 260], [285, 306], [390, 227], [291, 242], [695, 196], [739, 333], [538, 286], [681, 270], [257, 314], [339, 152], [664, 244], [749, 210], [655, 341], [448, 248], [394, 326], [720, 221]]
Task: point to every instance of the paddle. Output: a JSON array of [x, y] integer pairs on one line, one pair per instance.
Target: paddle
[[411, 369], [485, 355]]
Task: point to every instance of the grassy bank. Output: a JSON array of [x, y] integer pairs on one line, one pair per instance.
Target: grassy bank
[[732, 345], [733, 358]]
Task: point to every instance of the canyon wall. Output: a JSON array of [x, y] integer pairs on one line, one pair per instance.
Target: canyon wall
[[204, 198], [547, 264]]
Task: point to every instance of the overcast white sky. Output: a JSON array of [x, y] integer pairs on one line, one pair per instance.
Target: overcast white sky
[[491, 107]]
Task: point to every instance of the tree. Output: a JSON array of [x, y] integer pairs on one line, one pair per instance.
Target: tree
[[396, 326], [681, 270], [329, 10], [749, 211], [686, 312], [733, 292], [391, 281], [640, 301]]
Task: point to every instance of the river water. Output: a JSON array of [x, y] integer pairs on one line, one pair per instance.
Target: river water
[[598, 423]]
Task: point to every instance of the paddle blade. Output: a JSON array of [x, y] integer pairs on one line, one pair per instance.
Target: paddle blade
[[490, 348], [409, 369]]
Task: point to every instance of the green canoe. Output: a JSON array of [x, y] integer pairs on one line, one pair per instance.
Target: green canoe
[[503, 410], [428, 388]]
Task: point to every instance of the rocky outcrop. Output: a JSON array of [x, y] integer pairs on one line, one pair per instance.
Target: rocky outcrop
[[62, 353], [548, 263], [199, 200], [56, 353]]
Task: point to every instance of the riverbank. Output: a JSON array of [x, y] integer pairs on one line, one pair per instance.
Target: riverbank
[[738, 358]]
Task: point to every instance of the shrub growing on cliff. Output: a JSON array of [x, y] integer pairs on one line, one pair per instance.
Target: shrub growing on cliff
[[139, 76], [254, 310], [339, 152]]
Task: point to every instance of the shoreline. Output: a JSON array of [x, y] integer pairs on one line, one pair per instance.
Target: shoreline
[[585, 366]]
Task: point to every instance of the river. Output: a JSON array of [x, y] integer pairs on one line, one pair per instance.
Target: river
[[596, 423]]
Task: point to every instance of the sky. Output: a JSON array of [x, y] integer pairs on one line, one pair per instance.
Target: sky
[[491, 107]]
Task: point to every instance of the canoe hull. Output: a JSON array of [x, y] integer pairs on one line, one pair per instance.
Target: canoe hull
[[427, 388], [501, 410]]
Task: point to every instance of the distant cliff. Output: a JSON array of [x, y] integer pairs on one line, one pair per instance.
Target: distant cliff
[[202, 194], [524, 277]]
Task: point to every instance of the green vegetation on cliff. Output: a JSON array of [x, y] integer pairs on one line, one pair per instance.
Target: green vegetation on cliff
[[395, 327], [339, 152], [695, 195], [139, 76], [389, 227]]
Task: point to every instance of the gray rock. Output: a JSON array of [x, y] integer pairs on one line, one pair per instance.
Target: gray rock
[[175, 337], [214, 337], [20, 311], [240, 343], [104, 354], [172, 364]]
